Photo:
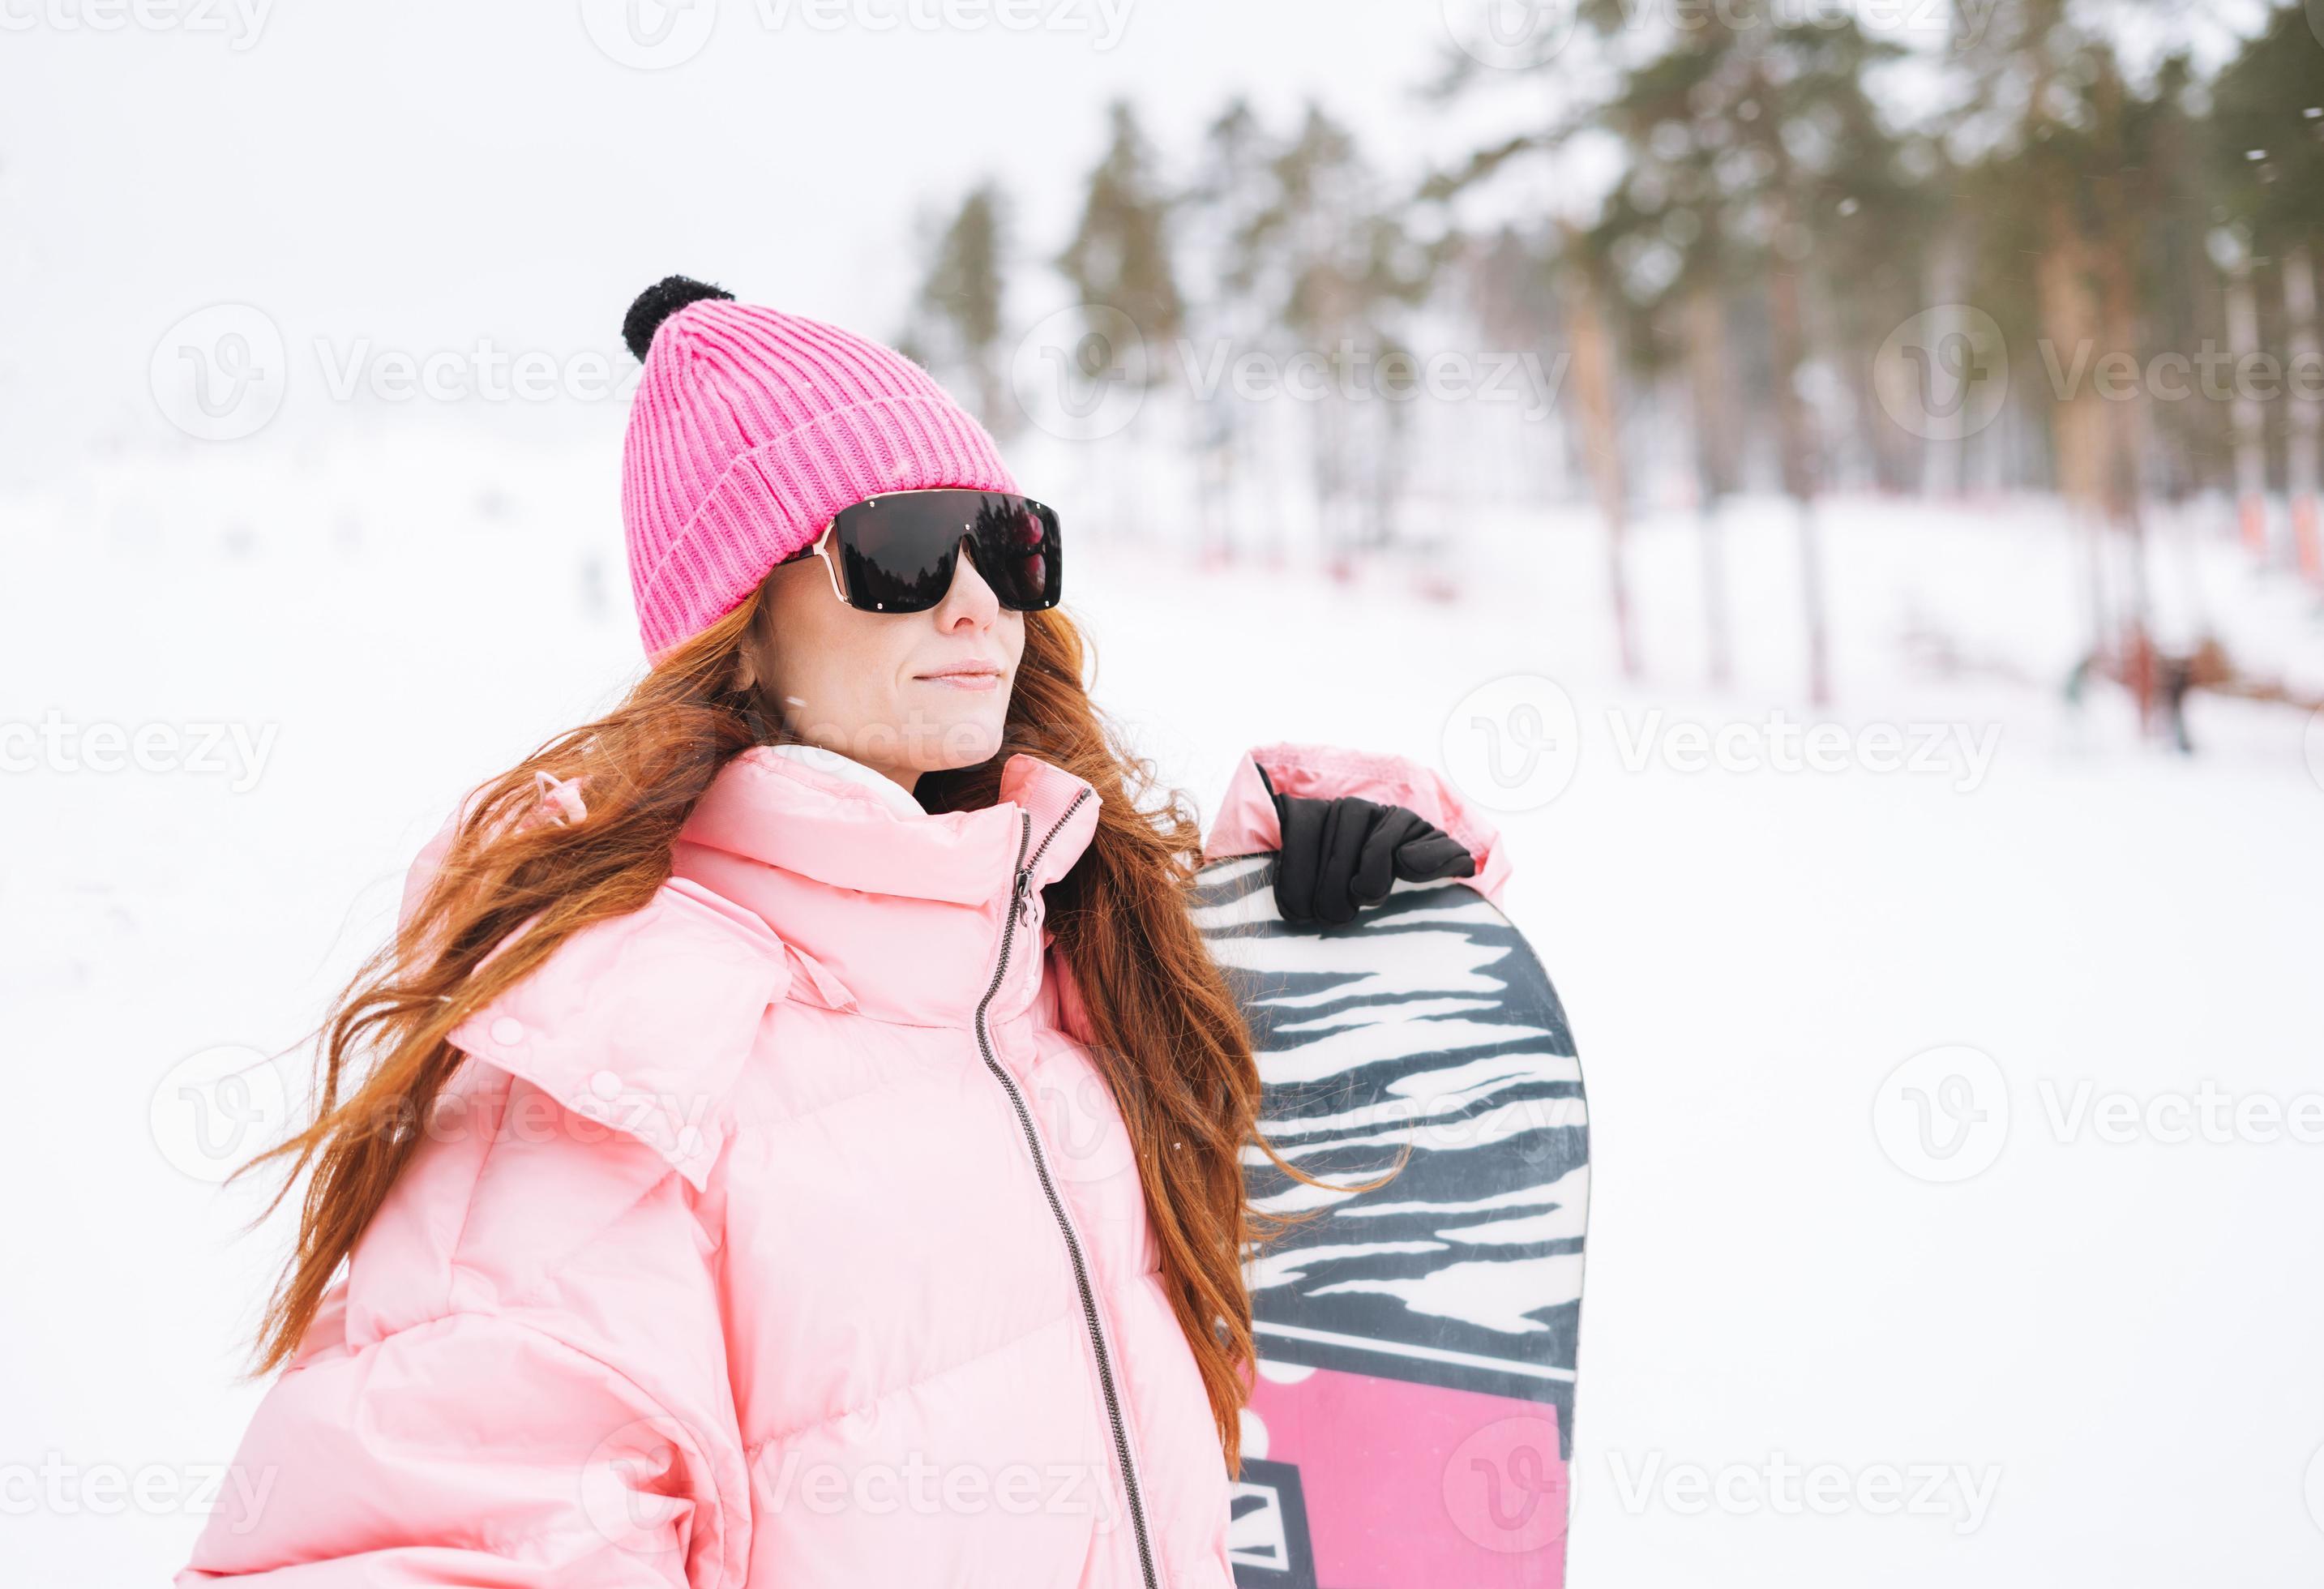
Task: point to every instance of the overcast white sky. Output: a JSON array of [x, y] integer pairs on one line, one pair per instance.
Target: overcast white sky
[[413, 177], [423, 173]]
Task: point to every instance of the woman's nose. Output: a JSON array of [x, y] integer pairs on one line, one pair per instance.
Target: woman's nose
[[968, 585]]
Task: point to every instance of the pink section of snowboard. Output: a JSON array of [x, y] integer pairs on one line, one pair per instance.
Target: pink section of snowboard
[[1411, 1487]]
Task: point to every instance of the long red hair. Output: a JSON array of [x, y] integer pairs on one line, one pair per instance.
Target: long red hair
[[1166, 1033]]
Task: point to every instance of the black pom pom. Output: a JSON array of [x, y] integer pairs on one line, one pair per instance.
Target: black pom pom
[[657, 303]]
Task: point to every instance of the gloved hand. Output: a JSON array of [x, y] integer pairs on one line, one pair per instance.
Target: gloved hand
[[1340, 856]]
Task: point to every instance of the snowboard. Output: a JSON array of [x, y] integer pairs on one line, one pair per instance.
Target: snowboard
[[1412, 1421]]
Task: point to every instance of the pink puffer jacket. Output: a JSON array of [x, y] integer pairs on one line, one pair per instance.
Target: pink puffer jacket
[[782, 1233]]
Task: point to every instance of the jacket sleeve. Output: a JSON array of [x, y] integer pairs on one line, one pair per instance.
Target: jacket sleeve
[[474, 1449], [1246, 822], [521, 1379]]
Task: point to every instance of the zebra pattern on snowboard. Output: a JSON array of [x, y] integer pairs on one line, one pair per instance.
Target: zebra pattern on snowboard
[[1427, 1021]]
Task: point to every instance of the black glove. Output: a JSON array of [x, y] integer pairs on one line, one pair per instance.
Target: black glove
[[1340, 855]]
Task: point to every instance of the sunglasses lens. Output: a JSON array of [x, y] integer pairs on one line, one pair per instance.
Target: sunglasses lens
[[1017, 550], [897, 552], [893, 557]]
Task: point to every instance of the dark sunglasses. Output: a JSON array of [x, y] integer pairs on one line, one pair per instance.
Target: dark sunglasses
[[896, 552]]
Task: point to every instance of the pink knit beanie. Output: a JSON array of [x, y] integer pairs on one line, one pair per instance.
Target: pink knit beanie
[[750, 429]]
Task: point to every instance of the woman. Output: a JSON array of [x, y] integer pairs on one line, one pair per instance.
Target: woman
[[799, 1137]]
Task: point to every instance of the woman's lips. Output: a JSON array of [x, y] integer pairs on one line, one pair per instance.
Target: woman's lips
[[975, 681]]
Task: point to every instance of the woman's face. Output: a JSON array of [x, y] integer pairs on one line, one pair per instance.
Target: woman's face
[[906, 692]]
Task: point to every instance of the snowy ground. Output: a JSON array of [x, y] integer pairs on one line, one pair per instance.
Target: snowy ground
[[2107, 1346]]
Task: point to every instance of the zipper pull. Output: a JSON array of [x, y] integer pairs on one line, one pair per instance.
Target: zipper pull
[[1024, 896]]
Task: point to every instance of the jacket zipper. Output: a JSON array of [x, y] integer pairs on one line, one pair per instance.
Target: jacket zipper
[[1020, 908]]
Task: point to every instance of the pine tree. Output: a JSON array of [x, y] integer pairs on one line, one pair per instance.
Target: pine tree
[[2265, 163], [1119, 256], [958, 312]]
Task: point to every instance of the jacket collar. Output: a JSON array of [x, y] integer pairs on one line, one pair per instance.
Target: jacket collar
[[899, 799], [893, 915], [800, 815]]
